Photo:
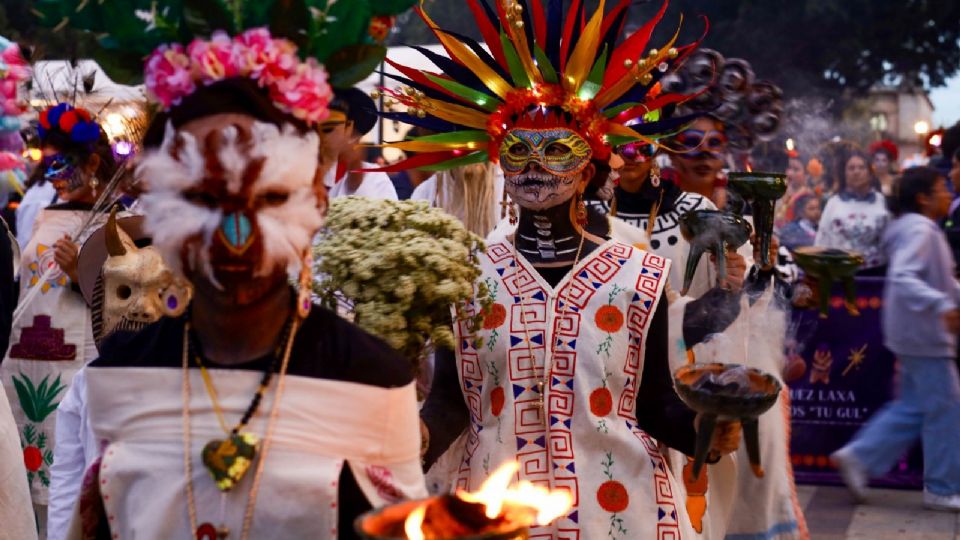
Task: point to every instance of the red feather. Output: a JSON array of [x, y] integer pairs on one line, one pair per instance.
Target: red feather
[[539, 17], [489, 33], [632, 48], [609, 19], [417, 76], [568, 34], [419, 160]]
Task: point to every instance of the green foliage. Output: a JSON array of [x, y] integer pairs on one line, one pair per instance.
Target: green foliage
[[328, 30], [37, 402]]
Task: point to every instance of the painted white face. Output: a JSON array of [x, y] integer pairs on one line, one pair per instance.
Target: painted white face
[[138, 288], [235, 204]]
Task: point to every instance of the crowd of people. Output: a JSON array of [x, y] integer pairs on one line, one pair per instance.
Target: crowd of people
[[169, 373]]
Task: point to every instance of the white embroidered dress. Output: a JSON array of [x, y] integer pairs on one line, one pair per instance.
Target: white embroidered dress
[[590, 332], [50, 342]]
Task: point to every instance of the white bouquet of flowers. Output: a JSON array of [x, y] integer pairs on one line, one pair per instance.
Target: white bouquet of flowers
[[397, 267]]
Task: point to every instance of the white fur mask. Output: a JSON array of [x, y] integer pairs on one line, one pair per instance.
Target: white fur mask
[[235, 189]]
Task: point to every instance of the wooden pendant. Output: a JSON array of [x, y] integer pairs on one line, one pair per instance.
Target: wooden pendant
[[229, 460]]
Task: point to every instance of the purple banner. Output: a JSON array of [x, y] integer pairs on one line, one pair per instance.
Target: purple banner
[[839, 374]]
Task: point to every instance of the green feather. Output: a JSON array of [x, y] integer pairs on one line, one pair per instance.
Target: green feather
[[463, 136], [517, 72], [590, 87], [476, 97], [469, 159], [546, 68]]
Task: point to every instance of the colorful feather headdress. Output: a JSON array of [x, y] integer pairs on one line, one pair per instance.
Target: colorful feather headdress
[[546, 67]]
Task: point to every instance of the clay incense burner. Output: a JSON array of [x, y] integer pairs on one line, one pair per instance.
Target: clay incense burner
[[761, 190], [714, 231], [446, 513], [727, 392], [828, 265]]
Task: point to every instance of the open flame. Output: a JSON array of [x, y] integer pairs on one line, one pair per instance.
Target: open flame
[[523, 504]]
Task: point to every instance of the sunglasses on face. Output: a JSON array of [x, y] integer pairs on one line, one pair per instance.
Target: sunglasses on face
[[695, 142], [637, 152]]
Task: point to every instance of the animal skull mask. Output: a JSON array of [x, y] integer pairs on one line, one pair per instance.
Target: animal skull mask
[[137, 287], [237, 205]]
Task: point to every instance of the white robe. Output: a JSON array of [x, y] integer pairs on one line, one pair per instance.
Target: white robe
[[375, 185], [322, 426], [592, 348]]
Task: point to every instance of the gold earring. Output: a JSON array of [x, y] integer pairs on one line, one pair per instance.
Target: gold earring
[[304, 295], [581, 211], [655, 174]]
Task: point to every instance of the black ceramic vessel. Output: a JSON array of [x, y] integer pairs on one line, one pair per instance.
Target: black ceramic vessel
[[828, 265], [714, 231], [761, 190], [713, 404]]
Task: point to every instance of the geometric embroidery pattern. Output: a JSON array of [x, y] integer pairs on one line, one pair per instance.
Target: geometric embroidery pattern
[[531, 323]]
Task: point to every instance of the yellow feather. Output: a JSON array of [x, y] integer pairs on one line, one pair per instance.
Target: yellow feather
[[582, 59], [463, 54]]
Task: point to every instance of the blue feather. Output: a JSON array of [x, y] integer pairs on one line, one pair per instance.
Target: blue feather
[[554, 31], [429, 122], [482, 53], [457, 72]]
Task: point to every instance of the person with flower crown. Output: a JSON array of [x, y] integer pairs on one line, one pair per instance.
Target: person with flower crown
[[263, 416], [567, 373], [51, 334]]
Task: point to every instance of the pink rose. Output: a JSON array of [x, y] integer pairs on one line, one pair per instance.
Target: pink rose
[[305, 94], [167, 75], [264, 58], [214, 60]]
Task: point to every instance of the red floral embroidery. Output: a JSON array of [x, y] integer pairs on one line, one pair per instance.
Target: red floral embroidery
[[613, 497], [382, 479], [601, 402], [496, 400], [609, 318], [494, 317]]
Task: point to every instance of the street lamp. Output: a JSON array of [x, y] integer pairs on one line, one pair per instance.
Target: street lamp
[[921, 127]]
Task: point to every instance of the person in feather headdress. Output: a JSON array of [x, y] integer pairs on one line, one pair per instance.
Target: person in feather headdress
[[567, 372]]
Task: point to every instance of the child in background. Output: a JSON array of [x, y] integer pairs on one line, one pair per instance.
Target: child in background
[[920, 326], [802, 231]]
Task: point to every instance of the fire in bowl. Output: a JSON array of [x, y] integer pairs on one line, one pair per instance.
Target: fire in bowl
[[497, 511], [727, 392], [827, 266], [714, 231]]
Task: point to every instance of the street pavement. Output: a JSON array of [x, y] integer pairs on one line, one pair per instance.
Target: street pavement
[[887, 515]]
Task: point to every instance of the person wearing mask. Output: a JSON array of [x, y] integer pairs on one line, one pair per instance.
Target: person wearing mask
[[922, 331], [855, 218], [352, 115], [699, 159], [51, 337], [802, 231]]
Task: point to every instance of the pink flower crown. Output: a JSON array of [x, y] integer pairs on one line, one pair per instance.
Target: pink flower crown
[[298, 88]]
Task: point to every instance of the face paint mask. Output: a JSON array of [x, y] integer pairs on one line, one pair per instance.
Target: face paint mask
[[694, 143], [560, 152], [62, 168], [237, 206], [637, 152], [560, 156]]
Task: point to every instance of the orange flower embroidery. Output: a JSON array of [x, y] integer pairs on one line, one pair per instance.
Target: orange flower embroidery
[[613, 497], [497, 399], [609, 319], [601, 402], [494, 317]]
